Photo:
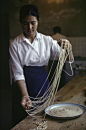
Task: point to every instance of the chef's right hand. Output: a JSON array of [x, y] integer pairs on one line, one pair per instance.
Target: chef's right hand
[[26, 102]]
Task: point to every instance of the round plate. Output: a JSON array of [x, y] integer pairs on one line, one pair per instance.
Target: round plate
[[65, 110]]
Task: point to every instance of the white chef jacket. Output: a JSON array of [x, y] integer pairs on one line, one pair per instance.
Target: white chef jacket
[[38, 53]]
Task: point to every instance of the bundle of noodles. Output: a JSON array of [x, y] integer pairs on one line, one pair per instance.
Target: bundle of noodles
[[40, 103]]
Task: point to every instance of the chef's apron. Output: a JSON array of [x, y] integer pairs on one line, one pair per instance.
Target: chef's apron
[[35, 77]]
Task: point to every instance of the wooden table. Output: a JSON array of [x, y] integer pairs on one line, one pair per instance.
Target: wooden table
[[73, 92]]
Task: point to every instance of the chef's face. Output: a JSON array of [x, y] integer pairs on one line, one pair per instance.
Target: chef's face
[[29, 26]]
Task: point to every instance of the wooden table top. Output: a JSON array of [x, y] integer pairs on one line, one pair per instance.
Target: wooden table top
[[73, 92]]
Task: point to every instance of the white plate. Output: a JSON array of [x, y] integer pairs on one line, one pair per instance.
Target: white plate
[[65, 110]]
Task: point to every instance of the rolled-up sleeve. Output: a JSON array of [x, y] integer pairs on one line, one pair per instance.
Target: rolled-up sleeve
[[15, 64]]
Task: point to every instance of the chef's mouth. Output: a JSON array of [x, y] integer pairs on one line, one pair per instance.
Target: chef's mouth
[[29, 31]]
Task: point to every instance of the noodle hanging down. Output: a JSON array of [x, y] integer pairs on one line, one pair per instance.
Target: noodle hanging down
[[40, 103]]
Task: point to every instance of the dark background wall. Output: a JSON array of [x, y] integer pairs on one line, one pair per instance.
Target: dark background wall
[[5, 88], [70, 15]]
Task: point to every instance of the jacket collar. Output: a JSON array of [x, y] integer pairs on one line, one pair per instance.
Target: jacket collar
[[23, 38]]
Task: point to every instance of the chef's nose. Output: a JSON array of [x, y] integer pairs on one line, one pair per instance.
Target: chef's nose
[[29, 26]]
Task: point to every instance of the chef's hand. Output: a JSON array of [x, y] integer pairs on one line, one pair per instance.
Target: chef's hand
[[66, 44], [26, 102]]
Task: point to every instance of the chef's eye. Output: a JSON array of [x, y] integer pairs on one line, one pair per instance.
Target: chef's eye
[[25, 23], [33, 23]]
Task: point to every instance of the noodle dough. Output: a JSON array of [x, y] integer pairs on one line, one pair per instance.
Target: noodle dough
[[65, 111]]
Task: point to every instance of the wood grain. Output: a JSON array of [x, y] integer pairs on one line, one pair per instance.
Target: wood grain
[[72, 92]]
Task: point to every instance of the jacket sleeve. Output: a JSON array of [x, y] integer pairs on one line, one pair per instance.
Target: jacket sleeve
[[15, 64]]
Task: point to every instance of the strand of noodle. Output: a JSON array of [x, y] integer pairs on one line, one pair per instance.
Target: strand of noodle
[[70, 65], [52, 94], [53, 91], [54, 84], [47, 76]]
